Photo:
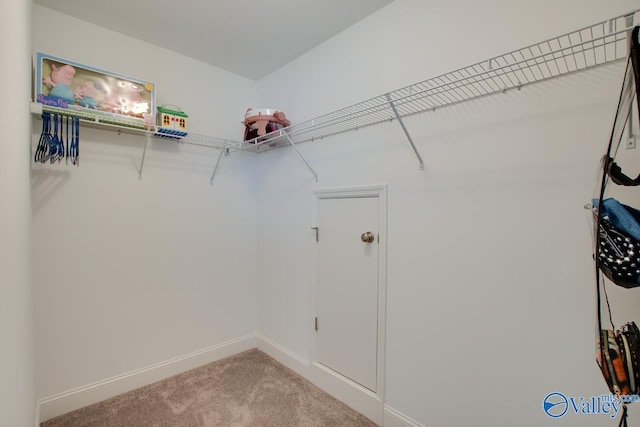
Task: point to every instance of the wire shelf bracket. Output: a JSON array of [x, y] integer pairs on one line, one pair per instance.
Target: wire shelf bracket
[[150, 132], [295, 149], [144, 153], [593, 46], [215, 168], [406, 132]]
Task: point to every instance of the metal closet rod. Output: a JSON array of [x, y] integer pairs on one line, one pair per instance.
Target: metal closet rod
[[224, 145]]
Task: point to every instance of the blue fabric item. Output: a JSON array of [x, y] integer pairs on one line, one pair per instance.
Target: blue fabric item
[[64, 92], [622, 217], [89, 102]]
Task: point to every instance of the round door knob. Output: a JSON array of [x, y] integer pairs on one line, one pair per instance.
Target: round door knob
[[367, 237]]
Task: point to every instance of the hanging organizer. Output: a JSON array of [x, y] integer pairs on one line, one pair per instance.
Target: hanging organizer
[[590, 47]]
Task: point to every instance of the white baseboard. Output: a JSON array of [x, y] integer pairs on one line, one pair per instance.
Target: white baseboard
[[37, 412], [77, 398], [288, 358], [393, 418], [357, 397]]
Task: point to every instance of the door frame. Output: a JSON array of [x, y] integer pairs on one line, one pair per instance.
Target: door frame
[[370, 403]]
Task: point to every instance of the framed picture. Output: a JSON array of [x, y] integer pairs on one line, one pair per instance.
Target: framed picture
[[93, 92]]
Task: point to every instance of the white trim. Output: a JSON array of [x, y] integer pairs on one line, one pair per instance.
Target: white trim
[[393, 418], [344, 192], [359, 398], [37, 412], [288, 358], [348, 392], [369, 403], [70, 400]]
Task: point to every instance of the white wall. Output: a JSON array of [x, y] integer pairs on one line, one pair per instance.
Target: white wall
[[488, 244], [17, 397], [129, 272], [411, 40], [490, 301]]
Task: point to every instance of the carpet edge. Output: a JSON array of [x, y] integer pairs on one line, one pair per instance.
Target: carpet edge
[[70, 400], [354, 396]]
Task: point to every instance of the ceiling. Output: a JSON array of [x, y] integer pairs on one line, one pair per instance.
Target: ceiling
[[249, 38]]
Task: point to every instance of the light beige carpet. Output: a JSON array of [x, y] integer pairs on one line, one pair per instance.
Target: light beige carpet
[[248, 389]]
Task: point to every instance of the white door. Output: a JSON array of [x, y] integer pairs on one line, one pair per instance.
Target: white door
[[347, 271]]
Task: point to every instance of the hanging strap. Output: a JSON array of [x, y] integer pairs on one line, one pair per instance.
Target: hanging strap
[[629, 89], [615, 173], [623, 420], [632, 74], [635, 59], [611, 170], [624, 103]]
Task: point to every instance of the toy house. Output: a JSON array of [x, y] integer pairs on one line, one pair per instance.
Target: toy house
[[171, 121]]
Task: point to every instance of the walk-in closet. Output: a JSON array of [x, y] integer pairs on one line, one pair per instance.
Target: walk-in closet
[[390, 224]]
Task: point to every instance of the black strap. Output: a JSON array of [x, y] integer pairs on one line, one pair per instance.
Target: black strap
[[603, 185], [622, 113], [633, 71], [615, 172], [635, 59], [611, 170], [623, 420]]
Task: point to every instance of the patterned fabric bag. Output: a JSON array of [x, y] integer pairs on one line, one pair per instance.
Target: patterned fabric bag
[[611, 361], [617, 355], [628, 339], [618, 251]]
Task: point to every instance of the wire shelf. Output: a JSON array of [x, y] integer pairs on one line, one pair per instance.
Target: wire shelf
[[201, 140], [587, 48], [135, 127], [603, 43]]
